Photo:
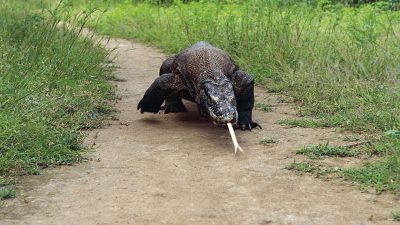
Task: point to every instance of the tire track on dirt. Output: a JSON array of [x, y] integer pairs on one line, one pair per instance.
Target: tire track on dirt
[[180, 169]]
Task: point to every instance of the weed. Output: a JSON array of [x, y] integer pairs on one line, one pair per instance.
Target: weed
[[304, 167], [263, 107], [5, 182], [351, 138], [312, 168], [113, 77], [7, 189], [392, 133], [372, 174], [396, 215], [7, 192], [324, 150], [383, 175], [306, 123], [268, 140]]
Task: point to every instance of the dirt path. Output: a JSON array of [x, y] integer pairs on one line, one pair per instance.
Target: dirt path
[[180, 169]]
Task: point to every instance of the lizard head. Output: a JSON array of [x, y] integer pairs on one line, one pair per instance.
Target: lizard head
[[216, 100]]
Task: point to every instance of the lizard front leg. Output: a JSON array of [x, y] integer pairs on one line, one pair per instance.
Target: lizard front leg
[[173, 103], [243, 85], [164, 86]]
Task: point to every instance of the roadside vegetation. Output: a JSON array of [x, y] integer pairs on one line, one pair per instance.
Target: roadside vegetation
[[268, 141], [7, 189], [52, 87], [339, 60], [396, 215], [263, 107], [324, 150], [383, 174]]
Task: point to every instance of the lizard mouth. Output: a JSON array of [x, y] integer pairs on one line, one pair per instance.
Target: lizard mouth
[[223, 118], [220, 121]]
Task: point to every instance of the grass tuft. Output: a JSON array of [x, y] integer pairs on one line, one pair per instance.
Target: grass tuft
[[324, 150], [384, 174], [303, 167], [267, 141], [378, 175], [312, 168], [7, 192], [7, 189], [263, 107], [396, 216], [307, 123]]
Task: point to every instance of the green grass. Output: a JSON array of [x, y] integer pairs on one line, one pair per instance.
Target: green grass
[[307, 123], [371, 175], [267, 141], [352, 137], [384, 174], [312, 168], [263, 107], [396, 216], [325, 150], [378, 175], [340, 64], [7, 192], [53, 85], [303, 167], [7, 189]]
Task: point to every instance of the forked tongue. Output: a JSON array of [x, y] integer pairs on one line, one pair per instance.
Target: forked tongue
[[234, 140]]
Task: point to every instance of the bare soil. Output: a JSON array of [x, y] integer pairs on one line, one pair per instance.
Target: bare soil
[[181, 169]]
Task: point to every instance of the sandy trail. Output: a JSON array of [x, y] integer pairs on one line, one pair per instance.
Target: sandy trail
[[181, 169]]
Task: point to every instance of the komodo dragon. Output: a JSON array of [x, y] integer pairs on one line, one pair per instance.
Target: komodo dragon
[[208, 76]]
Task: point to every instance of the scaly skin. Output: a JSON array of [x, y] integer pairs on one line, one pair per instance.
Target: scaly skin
[[208, 76]]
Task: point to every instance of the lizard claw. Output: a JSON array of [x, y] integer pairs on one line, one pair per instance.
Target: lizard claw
[[248, 126]]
